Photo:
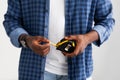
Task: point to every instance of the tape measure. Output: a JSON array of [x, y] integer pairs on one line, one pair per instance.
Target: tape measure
[[66, 45]]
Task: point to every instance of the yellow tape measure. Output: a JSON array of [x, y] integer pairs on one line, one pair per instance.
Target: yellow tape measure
[[65, 45]]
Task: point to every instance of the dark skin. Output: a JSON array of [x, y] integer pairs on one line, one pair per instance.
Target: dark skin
[[34, 43], [82, 41]]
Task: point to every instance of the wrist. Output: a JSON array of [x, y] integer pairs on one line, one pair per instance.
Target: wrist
[[23, 40], [86, 38], [91, 36]]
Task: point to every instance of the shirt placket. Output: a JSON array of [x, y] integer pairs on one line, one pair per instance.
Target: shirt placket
[[46, 18]]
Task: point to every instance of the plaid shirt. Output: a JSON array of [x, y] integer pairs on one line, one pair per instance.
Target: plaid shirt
[[32, 17]]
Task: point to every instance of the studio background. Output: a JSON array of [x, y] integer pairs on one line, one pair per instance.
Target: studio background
[[106, 58]]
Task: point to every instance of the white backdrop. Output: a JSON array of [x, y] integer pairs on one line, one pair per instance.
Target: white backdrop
[[106, 57]]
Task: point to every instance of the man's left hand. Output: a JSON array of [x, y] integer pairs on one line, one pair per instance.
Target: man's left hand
[[81, 43]]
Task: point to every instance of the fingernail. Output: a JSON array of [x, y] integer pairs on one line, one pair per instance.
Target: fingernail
[[66, 37]]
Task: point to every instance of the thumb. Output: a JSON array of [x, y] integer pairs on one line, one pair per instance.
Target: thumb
[[71, 37], [45, 40]]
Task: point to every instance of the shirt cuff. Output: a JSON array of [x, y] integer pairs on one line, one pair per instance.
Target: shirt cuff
[[100, 29], [14, 36]]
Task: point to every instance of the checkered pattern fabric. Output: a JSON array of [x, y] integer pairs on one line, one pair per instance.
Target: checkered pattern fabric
[[33, 17]]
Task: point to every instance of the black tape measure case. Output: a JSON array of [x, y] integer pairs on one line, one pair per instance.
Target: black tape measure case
[[66, 45]]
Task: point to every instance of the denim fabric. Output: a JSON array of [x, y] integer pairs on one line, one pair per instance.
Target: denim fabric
[[51, 76]]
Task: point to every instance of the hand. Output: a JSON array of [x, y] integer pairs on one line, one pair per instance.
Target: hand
[[81, 44], [82, 41], [35, 43]]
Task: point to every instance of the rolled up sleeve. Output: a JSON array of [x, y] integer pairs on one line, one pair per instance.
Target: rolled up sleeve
[[14, 36], [12, 22], [103, 21]]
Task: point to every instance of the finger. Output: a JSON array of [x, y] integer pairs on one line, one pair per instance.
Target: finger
[[42, 39], [44, 46], [69, 54], [45, 40], [71, 37], [40, 47], [45, 51], [42, 52], [77, 49]]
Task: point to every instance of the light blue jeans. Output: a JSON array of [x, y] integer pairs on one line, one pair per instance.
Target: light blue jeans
[[51, 76]]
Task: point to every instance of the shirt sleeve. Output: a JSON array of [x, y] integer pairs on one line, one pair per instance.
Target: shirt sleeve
[[14, 36], [103, 20], [13, 22]]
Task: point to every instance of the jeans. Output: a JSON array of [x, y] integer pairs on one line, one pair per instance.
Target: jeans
[[51, 76]]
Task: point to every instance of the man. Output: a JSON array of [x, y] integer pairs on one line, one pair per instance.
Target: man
[[32, 24]]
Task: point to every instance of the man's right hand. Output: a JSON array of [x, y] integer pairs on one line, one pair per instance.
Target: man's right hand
[[35, 43]]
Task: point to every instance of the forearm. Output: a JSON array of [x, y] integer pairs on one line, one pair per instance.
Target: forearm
[[92, 36]]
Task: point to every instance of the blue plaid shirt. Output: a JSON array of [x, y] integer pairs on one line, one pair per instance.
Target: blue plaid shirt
[[32, 17]]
